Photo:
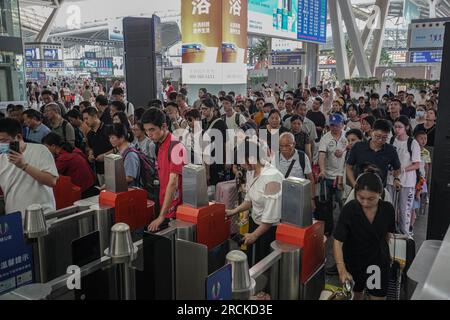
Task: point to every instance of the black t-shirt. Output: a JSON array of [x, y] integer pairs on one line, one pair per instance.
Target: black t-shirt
[[106, 117], [222, 127], [301, 140], [385, 159], [365, 243], [280, 131], [319, 120], [430, 133], [99, 143], [410, 112]]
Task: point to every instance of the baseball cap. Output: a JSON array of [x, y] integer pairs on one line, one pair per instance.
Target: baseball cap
[[336, 119]]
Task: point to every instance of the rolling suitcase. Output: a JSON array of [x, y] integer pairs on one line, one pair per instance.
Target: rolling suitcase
[[227, 193], [403, 252]]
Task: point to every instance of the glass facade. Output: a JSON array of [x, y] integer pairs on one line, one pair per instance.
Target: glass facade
[[12, 78], [9, 18]]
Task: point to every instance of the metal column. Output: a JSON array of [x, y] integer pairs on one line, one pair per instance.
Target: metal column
[[338, 40], [45, 31], [312, 65], [379, 36], [371, 25], [355, 38]]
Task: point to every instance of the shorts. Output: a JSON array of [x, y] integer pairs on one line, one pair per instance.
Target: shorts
[[360, 278]]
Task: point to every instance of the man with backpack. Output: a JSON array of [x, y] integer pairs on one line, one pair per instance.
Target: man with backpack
[[58, 124], [294, 163], [233, 119], [170, 156]]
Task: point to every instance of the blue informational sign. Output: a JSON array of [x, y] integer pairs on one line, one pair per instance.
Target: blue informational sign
[[32, 54], [218, 284], [286, 59], [312, 20], [425, 57], [16, 258], [33, 64], [51, 54]]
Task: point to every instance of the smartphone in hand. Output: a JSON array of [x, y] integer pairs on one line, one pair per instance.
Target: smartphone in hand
[[14, 146]]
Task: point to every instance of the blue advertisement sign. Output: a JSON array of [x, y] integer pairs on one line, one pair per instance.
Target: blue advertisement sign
[[51, 54], [218, 284], [425, 57], [16, 258]]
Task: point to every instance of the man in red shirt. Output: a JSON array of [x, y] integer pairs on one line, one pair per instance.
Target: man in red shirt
[[71, 162], [170, 162]]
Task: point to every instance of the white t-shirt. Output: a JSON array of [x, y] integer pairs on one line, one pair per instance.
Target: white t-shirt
[[130, 111], [334, 166], [231, 121], [20, 189], [266, 208], [407, 179]]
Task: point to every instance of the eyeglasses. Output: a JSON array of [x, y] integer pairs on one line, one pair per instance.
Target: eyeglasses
[[380, 137]]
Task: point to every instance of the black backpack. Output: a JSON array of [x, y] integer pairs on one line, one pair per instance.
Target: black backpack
[[148, 176], [302, 158]]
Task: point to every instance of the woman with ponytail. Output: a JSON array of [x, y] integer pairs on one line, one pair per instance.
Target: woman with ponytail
[[361, 238], [72, 162], [120, 138], [408, 151]]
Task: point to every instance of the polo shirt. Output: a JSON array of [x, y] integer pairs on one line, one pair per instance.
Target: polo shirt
[[334, 166], [167, 164], [99, 143], [36, 135], [385, 159], [67, 134]]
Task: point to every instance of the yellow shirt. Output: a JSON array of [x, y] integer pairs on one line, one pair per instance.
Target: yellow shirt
[[258, 117]]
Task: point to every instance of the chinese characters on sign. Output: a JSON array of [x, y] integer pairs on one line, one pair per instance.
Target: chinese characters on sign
[[235, 7], [200, 7], [15, 256], [201, 27]]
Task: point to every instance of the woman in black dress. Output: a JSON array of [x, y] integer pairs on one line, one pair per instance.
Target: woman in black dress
[[361, 247]]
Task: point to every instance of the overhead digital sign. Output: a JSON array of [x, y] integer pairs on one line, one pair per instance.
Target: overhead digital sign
[[289, 19], [51, 54], [425, 57], [32, 54]]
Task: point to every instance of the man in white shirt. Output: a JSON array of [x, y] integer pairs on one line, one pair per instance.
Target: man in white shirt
[[26, 177], [332, 148], [233, 119], [119, 95], [288, 162]]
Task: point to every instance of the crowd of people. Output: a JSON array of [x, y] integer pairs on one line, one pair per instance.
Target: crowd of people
[[366, 154]]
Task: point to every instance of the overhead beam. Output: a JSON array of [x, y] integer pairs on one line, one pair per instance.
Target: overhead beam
[[355, 38], [379, 36], [337, 33]]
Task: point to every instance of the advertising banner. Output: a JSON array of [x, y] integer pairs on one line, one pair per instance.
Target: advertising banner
[[427, 34], [115, 30], [289, 19], [16, 258], [214, 41]]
